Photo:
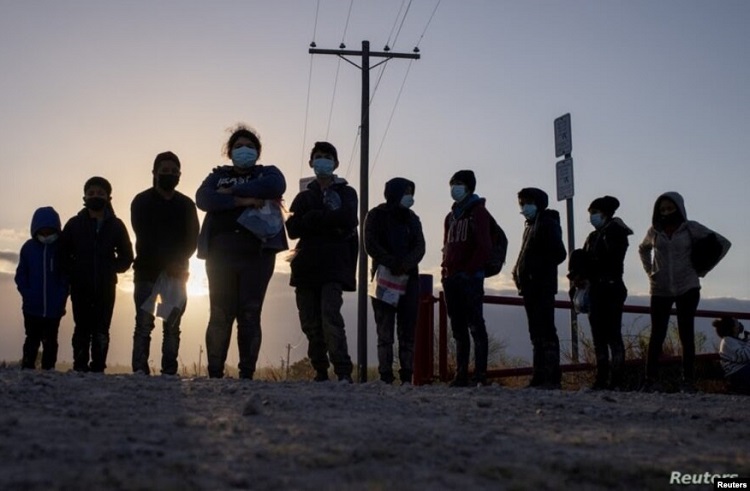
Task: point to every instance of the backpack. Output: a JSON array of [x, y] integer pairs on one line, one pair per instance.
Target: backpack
[[498, 251]]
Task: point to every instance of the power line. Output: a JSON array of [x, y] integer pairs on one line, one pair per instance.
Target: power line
[[428, 23], [309, 84], [390, 118]]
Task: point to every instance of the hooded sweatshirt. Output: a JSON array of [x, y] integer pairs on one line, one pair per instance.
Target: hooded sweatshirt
[[665, 258], [466, 238], [94, 251], [542, 249], [39, 278], [606, 250], [393, 234]]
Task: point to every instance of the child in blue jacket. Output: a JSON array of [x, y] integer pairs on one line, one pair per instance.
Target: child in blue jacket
[[43, 287]]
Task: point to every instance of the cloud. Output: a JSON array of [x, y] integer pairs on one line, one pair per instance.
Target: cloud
[[8, 262]]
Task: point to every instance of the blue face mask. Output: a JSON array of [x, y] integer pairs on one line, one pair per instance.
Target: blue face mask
[[597, 220], [323, 167], [458, 192], [528, 211], [244, 157], [407, 201]]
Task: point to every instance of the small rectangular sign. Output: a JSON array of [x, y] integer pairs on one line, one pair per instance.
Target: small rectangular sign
[[563, 136], [565, 188]]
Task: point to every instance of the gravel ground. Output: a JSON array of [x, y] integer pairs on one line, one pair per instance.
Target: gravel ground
[[72, 431]]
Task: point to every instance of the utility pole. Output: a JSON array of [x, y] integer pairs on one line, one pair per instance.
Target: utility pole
[[364, 156]]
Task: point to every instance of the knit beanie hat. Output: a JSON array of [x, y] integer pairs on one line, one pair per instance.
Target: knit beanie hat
[[466, 177], [605, 204]]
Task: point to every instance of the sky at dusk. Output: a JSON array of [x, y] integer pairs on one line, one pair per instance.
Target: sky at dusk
[[658, 94]]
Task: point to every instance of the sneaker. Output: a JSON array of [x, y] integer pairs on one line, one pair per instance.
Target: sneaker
[[388, 378], [599, 385], [459, 382], [321, 377], [480, 380], [688, 387], [345, 379], [650, 386]]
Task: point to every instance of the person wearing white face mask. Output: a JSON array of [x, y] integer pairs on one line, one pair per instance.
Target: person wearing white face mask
[[394, 240], [43, 287], [324, 219], [467, 246], [601, 268], [239, 264], [535, 275]]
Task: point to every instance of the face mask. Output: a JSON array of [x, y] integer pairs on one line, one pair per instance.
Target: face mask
[[528, 211], [407, 201], [95, 203], [167, 182], [244, 157], [597, 220], [670, 219], [323, 167], [458, 192], [47, 239]]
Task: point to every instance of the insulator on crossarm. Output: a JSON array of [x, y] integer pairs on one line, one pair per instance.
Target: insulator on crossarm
[[342, 46], [416, 50], [387, 48], [313, 45]]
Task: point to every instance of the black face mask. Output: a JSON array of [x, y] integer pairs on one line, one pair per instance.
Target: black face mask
[[167, 182], [673, 218], [96, 203]]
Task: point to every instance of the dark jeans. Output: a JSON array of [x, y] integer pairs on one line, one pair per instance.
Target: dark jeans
[[144, 324], [237, 288], [321, 321], [401, 319], [540, 314], [464, 298], [661, 307], [40, 331], [605, 317], [740, 380], [92, 314]]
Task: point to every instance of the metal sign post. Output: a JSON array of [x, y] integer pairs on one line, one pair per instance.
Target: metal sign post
[[565, 191]]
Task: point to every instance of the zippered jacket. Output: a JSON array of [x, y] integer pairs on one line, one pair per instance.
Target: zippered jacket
[[93, 251], [40, 280], [666, 259]]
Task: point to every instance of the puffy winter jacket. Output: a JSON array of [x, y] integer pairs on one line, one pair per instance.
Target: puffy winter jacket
[[43, 286]]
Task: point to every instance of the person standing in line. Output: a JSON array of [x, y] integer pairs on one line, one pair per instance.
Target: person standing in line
[[324, 219], [43, 287], [94, 248], [466, 250], [602, 270], [394, 239], [666, 257], [535, 275], [165, 223], [239, 265]]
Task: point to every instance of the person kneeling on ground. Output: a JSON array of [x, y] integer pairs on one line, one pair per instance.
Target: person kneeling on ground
[[734, 351]]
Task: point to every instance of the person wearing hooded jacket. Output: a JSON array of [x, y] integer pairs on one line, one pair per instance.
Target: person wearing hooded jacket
[[239, 265], [94, 248], [665, 253], [535, 276], [601, 268], [43, 287], [324, 219], [466, 251], [394, 239]]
